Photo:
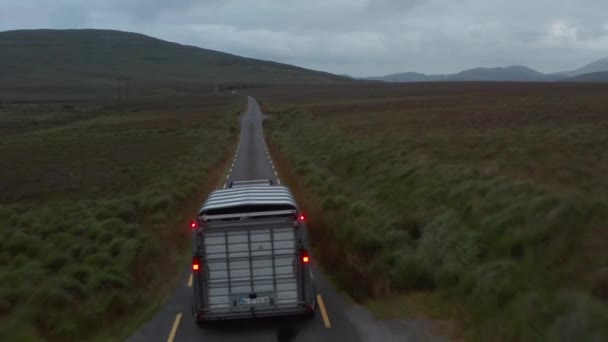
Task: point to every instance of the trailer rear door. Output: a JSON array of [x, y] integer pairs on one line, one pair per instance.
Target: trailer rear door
[[251, 265]]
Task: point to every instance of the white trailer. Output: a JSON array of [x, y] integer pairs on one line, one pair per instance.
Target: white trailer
[[250, 255]]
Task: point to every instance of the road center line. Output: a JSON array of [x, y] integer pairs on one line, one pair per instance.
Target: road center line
[[323, 312], [190, 280], [178, 318]]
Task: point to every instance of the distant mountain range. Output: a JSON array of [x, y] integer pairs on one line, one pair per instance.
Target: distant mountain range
[[593, 72]]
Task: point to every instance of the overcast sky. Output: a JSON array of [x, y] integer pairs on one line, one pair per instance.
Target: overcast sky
[[356, 37]]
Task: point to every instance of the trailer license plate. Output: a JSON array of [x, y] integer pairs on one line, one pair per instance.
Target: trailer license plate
[[254, 301]]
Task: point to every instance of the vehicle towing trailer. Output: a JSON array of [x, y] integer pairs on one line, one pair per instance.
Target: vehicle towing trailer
[[250, 255]]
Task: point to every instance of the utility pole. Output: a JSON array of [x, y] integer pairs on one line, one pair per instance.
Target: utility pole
[[123, 94], [119, 91]]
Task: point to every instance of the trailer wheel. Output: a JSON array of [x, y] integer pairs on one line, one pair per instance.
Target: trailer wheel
[[311, 314]]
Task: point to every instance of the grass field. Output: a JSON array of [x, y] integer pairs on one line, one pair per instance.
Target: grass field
[[482, 203], [94, 203]]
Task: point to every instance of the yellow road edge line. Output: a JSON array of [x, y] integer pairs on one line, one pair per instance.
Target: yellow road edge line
[[190, 280], [178, 318], [323, 312]]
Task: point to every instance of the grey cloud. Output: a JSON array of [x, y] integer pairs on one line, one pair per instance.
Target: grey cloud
[[392, 6], [150, 10], [359, 37]]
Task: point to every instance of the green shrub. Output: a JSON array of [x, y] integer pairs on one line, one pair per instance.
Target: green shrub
[[360, 208], [76, 251], [367, 239], [20, 260], [149, 246], [93, 230], [105, 236], [313, 181], [17, 330], [23, 274], [80, 272], [52, 295], [157, 217], [5, 257], [110, 279], [117, 303], [130, 230], [446, 242], [56, 261], [343, 230], [599, 285], [61, 241], [412, 273], [71, 285], [64, 327], [492, 285], [9, 297], [19, 242], [113, 225], [130, 248], [100, 258], [5, 306], [115, 246], [580, 318], [303, 170], [6, 213], [334, 202], [157, 202], [397, 239]]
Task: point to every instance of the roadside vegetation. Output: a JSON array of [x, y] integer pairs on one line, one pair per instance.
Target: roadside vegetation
[[94, 202], [480, 203]]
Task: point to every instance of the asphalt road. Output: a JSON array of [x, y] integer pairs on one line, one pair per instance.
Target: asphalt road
[[336, 319]]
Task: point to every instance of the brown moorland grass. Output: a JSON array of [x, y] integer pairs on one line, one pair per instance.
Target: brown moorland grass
[[492, 196], [89, 198]]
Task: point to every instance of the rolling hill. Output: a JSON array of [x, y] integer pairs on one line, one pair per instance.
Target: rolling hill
[[80, 62], [597, 66], [510, 73], [514, 73], [601, 76]]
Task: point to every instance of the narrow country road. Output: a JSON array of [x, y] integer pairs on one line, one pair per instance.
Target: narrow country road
[[336, 319]]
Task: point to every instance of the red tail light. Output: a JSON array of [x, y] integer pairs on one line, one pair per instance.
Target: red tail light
[[193, 224], [302, 217], [196, 264], [305, 257]]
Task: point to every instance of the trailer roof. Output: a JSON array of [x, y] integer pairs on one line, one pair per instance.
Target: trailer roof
[[250, 183], [248, 197]]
